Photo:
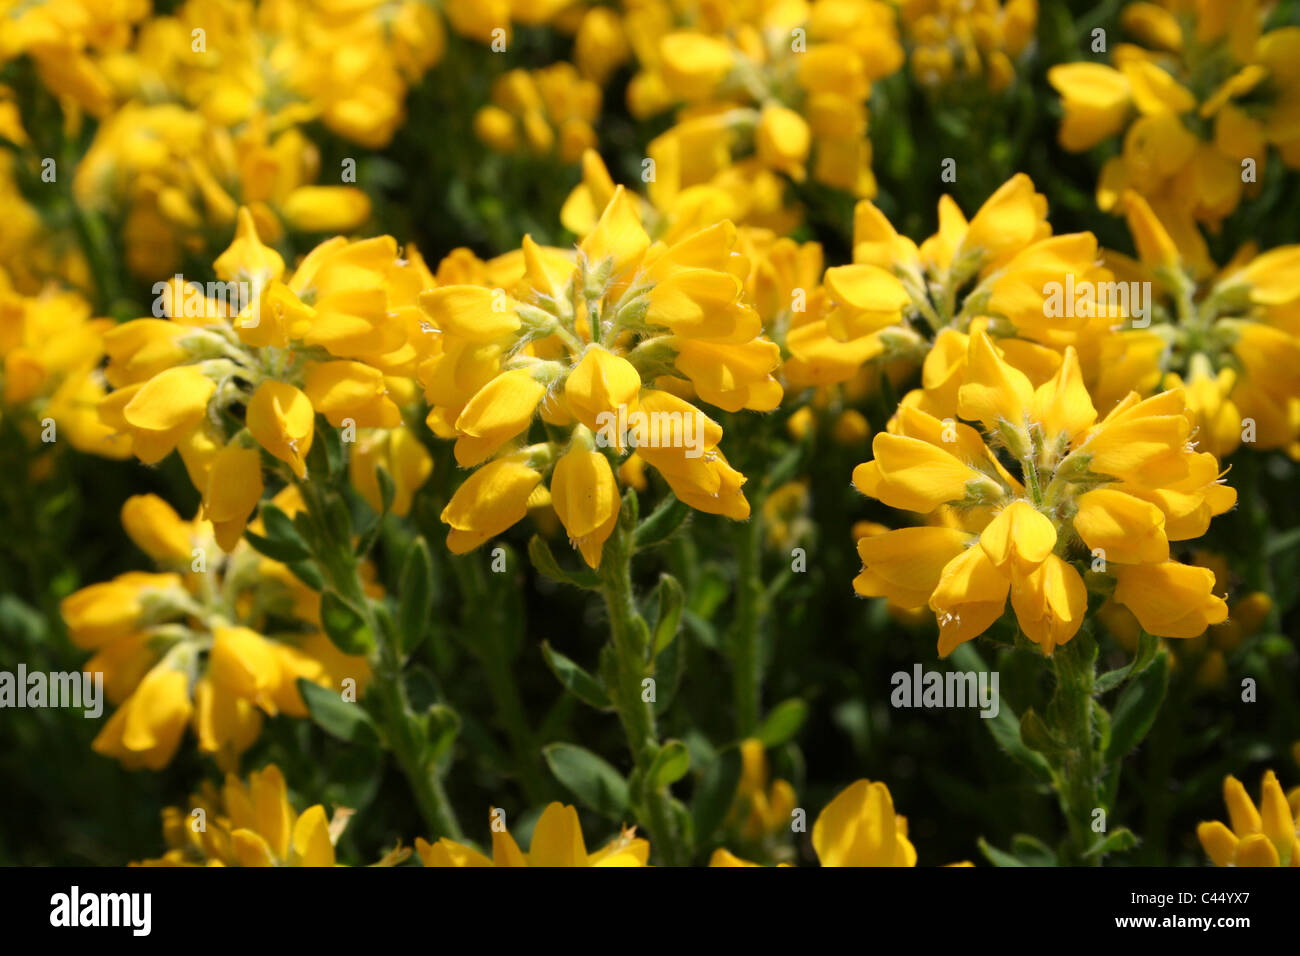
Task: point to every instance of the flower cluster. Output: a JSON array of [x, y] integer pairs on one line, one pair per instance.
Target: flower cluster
[[1112, 491], [951, 42], [557, 841], [248, 824], [213, 640], [786, 90], [602, 348], [1267, 835], [1198, 107], [51, 349], [544, 111], [252, 367]]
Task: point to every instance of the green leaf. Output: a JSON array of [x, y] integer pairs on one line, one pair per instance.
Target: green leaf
[[332, 442], [1005, 725], [671, 602], [1137, 708], [339, 520], [275, 550], [441, 725], [670, 764], [369, 535], [1146, 651], [415, 595], [662, 523], [702, 629], [280, 529], [336, 716], [1116, 841], [1035, 735], [1032, 851], [344, 624], [308, 574], [995, 856], [576, 680], [1282, 542], [387, 490], [783, 722], [539, 552], [590, 778], [714, 793]]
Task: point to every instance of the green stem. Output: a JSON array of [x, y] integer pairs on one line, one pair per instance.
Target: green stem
[[1077, 776], [402, 728], [627, 665], [746, 649], [494, 654]]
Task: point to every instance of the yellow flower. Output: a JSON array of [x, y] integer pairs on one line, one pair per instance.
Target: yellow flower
[[552, 110], [961, 43], [859, 828], [1108, 494], [282, 420], [171, 654], [490, 501], [340, 336], [248, 824], [762, 808], [402, 455], [1265, 836], [146, 731], [158, 530], [585, 496], [1186, 133], [557, 841], [606, 347]]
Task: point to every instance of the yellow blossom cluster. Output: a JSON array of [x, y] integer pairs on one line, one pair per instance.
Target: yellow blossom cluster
[[251, 367], [607, 348], [1196, 104], [188, 645], [956, 41]]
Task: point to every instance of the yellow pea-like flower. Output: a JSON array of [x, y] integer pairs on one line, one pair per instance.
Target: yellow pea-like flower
[[1170, 599], [166, 407], [233, 490], [1265, 836], [405, 458], [906, 565], [1050, 603], [157, 529], [585, 496], [860, 828], [283, 421], [600, 384], [347, 389], [146, 731], [490, 501], [499, 411], [557, 841], [1126, 529], [1019, 539], [244, 663]]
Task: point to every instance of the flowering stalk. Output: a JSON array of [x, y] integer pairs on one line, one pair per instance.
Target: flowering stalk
[[491, 647], [746, 650], [402, 729], [1076, 774], [627, 663]]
